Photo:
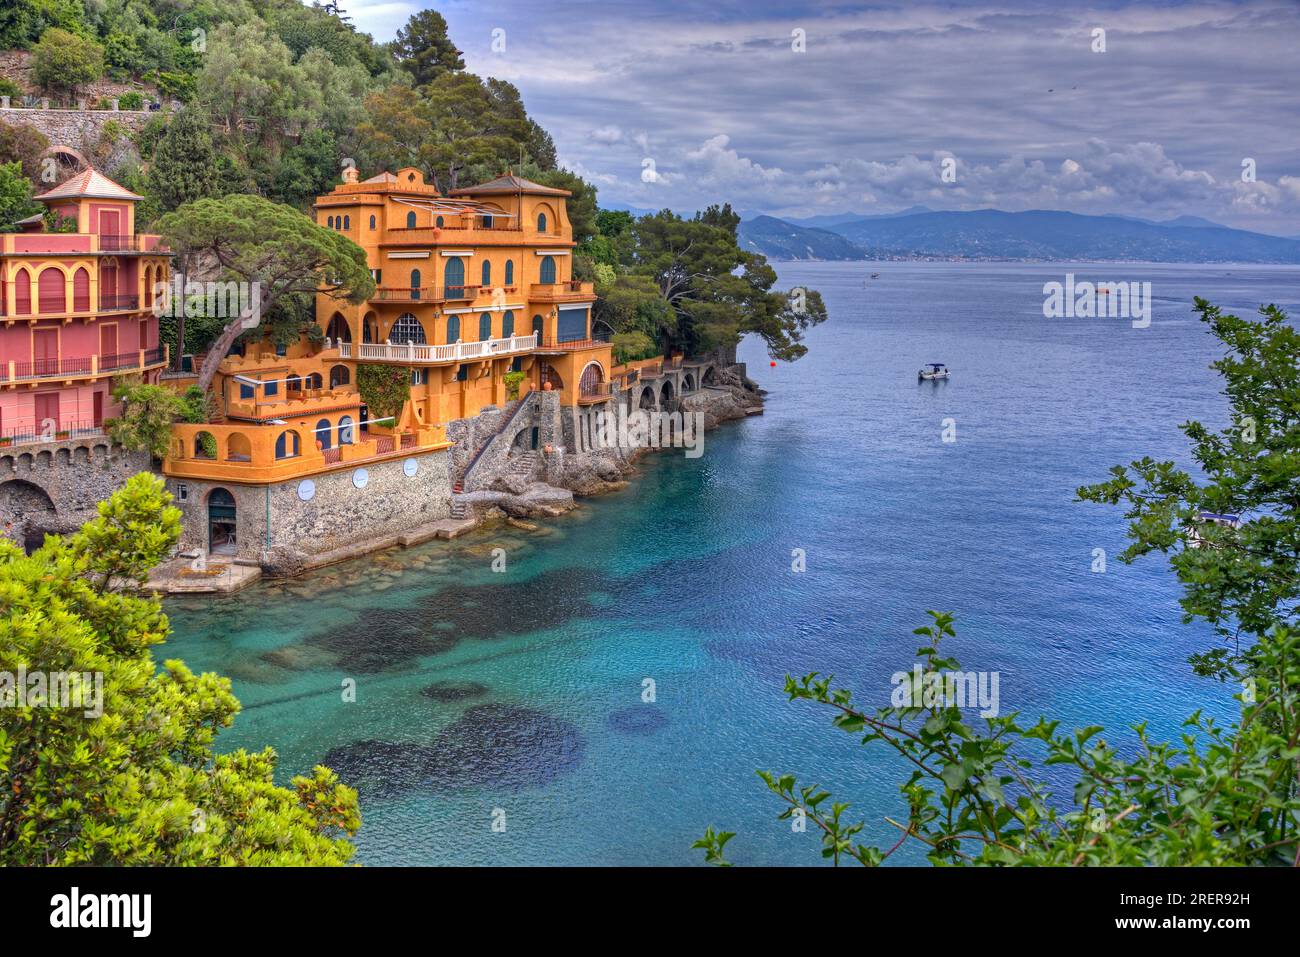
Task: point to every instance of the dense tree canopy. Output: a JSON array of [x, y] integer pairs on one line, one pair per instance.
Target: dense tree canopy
[[424, 50]]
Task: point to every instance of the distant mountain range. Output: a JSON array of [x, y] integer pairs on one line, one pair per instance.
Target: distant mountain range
[[921, 233]]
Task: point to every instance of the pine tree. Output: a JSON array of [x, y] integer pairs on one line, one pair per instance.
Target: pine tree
[[424, 49]]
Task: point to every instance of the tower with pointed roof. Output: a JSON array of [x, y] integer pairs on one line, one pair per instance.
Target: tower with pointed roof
[[76, 311]]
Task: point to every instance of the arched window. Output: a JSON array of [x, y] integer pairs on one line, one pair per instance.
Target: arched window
[[314, 381], [293, 384], [286, 446], [415, 284], [410, 220], [487, 274], [345, 430], [538, 325], [510, 272], [507, 325], [407, 329], [23, 292], [338, 329], [330, 222], [81, 290], [548, 269], [453, 277], [347, 222], [541, 222], [50, 287], [339, 375], [438, 222], [453, 329], [324, 433], [372, 222], [485, 327]]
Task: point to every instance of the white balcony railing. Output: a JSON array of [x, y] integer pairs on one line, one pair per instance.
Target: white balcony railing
[[410, 353]]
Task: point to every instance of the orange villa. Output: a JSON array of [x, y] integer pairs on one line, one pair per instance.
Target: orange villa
[[75, 311], [295, 470]]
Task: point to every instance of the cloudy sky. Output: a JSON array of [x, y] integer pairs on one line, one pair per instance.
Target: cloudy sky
[[803, 108]]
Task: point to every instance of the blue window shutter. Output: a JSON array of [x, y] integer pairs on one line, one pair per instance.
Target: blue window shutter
[[485, 327], [510, 272], [453, 329], [548, 269], [507, 325]]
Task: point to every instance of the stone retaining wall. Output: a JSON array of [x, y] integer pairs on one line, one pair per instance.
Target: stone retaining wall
[[339, 521], [55, 486]]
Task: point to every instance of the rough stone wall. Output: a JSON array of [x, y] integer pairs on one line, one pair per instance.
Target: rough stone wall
[[55, 486], [339, 521], [80, 129], [542, 413]]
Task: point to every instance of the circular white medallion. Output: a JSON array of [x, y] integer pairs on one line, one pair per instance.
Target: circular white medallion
[[410, 467], [360, 478], [306, 490]]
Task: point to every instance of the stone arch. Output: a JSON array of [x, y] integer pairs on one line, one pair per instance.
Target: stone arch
[[688, 382], [666, 392], [710, 376], [27, 513], [68, 160], [649, 398]]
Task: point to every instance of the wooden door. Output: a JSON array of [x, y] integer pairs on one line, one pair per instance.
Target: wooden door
[[45, 351]]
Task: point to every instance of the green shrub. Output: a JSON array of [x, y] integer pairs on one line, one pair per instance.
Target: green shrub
[[513, 380], [64, 62], [130, 101]]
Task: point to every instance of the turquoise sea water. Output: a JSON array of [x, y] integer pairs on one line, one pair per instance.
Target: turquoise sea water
[[479, 693]]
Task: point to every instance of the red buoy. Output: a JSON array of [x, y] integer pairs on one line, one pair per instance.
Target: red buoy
[[773, 363]]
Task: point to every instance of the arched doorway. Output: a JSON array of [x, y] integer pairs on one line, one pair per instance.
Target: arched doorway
[[688, 383], [221, 522], [647, 400], [592, 379], [324, 433], [666, 394]]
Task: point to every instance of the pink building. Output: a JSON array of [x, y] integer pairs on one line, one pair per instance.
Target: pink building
[[76, 310]]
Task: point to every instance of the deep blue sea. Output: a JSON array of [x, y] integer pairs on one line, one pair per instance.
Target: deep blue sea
[[517, 697]]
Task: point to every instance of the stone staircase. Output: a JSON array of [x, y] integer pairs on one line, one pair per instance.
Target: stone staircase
[[459, 510], [524, 464]]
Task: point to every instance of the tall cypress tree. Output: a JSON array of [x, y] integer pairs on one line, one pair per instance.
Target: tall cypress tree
[[185, 163]]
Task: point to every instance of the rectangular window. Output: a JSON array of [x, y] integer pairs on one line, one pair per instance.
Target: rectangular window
[[182, 492], [462, 373], [419, 377], [245, 390], [272, 388]]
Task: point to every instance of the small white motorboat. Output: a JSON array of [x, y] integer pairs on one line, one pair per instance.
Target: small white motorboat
[[935, 370]]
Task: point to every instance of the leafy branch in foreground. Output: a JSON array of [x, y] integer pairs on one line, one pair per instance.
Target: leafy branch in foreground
[[1242, 577], [977, 797], [130, 777]]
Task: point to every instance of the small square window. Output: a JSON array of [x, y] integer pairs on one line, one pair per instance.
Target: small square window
[[182, 492]]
